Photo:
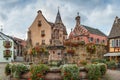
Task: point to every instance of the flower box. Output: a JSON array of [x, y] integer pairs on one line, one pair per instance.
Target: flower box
[[42, 35], [7, 53], [71, 51], [7, 44]]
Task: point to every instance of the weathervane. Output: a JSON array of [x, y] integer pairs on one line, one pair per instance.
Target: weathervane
[[58, 7], [78, 13]]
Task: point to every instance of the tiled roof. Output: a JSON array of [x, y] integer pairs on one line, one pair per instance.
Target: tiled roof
[[58, 18], [51, 24], [115, 31], [94, 31]]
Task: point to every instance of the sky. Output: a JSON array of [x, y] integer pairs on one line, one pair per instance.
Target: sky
[[16, 16]]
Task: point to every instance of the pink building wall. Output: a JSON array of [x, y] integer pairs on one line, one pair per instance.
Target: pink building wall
[[94, 36]]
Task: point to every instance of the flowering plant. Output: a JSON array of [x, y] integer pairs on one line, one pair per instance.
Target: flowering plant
[[38, 71], [91, 48], [70, 72], [7, 53], [17, 69], [7, 44]]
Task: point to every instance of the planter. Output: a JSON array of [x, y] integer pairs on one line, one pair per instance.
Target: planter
[[83, 75], [25, 75], [71, 51], [7, 44], [42, 35], [53, 76], [7, 54]]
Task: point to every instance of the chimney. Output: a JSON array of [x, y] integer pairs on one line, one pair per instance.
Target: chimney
[[116, 19], [77, 19]]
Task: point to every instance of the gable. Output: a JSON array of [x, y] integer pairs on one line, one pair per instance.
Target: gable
[[115, 31], [39, 22], [1, 38], [79, 30]]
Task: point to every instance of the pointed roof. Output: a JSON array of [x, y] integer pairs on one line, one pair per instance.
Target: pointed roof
[[94, 31], [58, 18], [115, 31]]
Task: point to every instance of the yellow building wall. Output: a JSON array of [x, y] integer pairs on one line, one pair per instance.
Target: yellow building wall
[[36, 30], [111, 49]]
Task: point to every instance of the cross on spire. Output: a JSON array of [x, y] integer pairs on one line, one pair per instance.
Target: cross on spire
[[77, 13], [58, 7]]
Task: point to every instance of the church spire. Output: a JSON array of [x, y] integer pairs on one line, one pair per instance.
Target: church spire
[[58, 17]]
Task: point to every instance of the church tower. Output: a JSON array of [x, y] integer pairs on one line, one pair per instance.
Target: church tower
[[59, 31]]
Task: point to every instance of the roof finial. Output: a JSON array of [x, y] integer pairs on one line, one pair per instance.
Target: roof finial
[[58, 7], [71, 29], [1, 29], [78, 13]]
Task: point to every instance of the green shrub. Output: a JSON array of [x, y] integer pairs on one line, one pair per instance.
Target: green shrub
[[98, 60], [93, 71], [103, 68], [38, 71], [83, 62], [111, 64], [7, 69], [70, 72], [55, 63], [16, 69]]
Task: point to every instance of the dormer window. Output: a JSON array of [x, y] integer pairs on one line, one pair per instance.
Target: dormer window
[[39, 23]]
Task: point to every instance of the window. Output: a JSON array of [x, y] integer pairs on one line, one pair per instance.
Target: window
[[91, 39], [58, 53], [60, 35], [43, 33], [37, 43], [116, 42], [39, 23], [103, 41], [43, 42], [97, 41], [112, 43], [53, 52], [119, 42]]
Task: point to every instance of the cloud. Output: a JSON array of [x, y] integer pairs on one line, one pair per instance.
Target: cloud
[[17, 15]]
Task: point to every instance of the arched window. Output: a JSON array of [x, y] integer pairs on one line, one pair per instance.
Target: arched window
[[97, 41], [53, 52]]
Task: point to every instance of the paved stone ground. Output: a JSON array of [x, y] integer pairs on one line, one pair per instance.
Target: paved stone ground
[[113, 74], [2, 74]]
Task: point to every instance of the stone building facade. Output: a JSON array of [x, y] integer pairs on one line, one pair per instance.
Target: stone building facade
[[45, 33], [114, 41], [87, 34]]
